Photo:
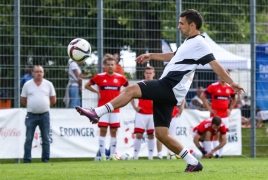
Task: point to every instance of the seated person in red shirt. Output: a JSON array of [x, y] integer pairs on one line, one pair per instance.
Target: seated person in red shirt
[[205, 132]]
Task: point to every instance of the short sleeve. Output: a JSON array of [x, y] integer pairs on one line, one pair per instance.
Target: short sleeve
[[95, 80], [209, 89], [24, 91], [124, 82], [203, 53], [52, 90]]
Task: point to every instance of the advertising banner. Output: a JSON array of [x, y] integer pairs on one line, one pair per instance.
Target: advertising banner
[[73, 136]]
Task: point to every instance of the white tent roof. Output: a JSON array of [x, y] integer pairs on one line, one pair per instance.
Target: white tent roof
[[227, 59]]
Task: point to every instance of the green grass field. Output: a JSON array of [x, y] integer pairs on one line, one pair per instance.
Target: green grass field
[[225, 168], [237, 168]]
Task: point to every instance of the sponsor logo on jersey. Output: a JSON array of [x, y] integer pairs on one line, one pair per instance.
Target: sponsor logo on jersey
[[104, 80], [117, 88], [221, 97]]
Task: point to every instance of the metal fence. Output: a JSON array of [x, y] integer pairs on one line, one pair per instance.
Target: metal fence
[[38, 32]]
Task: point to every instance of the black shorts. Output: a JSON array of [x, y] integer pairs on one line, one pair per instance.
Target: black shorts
[[163, 100]]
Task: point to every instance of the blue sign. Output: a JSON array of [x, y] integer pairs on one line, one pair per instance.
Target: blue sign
[[262, 76]]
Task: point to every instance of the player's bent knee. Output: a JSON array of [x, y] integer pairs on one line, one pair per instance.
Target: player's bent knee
[[134, 90]]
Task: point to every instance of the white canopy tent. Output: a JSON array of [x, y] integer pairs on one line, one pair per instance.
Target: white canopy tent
[[227, 59]]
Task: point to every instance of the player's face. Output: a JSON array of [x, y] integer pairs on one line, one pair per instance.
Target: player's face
[[38, 73], [149, 74], [184, 27], [110, 66], [215, 127]]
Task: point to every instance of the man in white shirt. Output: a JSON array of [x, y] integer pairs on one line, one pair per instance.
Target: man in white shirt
[[196, 102], [37, 95], [172, 87]]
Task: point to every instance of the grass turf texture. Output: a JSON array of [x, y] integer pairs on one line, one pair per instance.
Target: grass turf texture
[[226, 168]]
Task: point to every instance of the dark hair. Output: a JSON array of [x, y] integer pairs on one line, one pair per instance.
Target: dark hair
[[193, 15], [107, 57], [216, 120]]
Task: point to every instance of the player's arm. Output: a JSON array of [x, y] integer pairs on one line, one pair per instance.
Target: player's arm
[[24, 101], [220, 71], [206, 103], [233, 103], [197, 144], [134, 105], [155, 56], [197, 103], [89, 87], [223, 141]]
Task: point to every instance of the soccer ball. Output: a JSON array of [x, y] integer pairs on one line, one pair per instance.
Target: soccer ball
[[126, 156], [172, 156], [79, 49]]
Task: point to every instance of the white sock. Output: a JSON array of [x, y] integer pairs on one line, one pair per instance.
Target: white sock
[[113, 143], [137, 146], [207, 146], [159, 155], [102, 146], [106, 108], [188, 157], [197, 155], [168, 151], [215, 144], [151, 145]]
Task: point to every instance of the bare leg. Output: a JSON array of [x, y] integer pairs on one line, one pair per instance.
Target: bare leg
[[126, 96], [162, 134]]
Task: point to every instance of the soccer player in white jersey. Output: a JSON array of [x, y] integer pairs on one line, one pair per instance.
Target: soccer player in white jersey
[[173, 85], [144, 119]]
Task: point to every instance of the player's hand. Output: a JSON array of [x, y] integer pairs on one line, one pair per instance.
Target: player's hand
[[208, 155], [237, 88], [143, 58], [137, 109], [212, 111], [229, 112]]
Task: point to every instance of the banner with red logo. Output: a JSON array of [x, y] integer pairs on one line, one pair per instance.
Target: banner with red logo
[[71, 135]]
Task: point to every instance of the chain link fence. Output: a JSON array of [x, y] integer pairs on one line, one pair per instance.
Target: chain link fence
[[44, 29]]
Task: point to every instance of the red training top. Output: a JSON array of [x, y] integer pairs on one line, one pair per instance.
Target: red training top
[[109, 86]]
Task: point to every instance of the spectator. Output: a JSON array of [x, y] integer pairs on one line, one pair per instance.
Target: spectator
[[37, 95], [27, 76], [72, 92], [196, 102], [245, 101]]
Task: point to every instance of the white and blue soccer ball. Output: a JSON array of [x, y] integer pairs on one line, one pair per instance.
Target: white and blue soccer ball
[[126, 156], [79, 49]]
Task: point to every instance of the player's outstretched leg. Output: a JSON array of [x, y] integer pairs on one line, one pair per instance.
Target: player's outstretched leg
[[132, 91], [90, 114]]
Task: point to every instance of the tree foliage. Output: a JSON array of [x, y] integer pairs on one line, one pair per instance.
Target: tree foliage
[[48, 26]]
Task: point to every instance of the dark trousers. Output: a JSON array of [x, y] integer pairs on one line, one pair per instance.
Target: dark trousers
[[31, 122]]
